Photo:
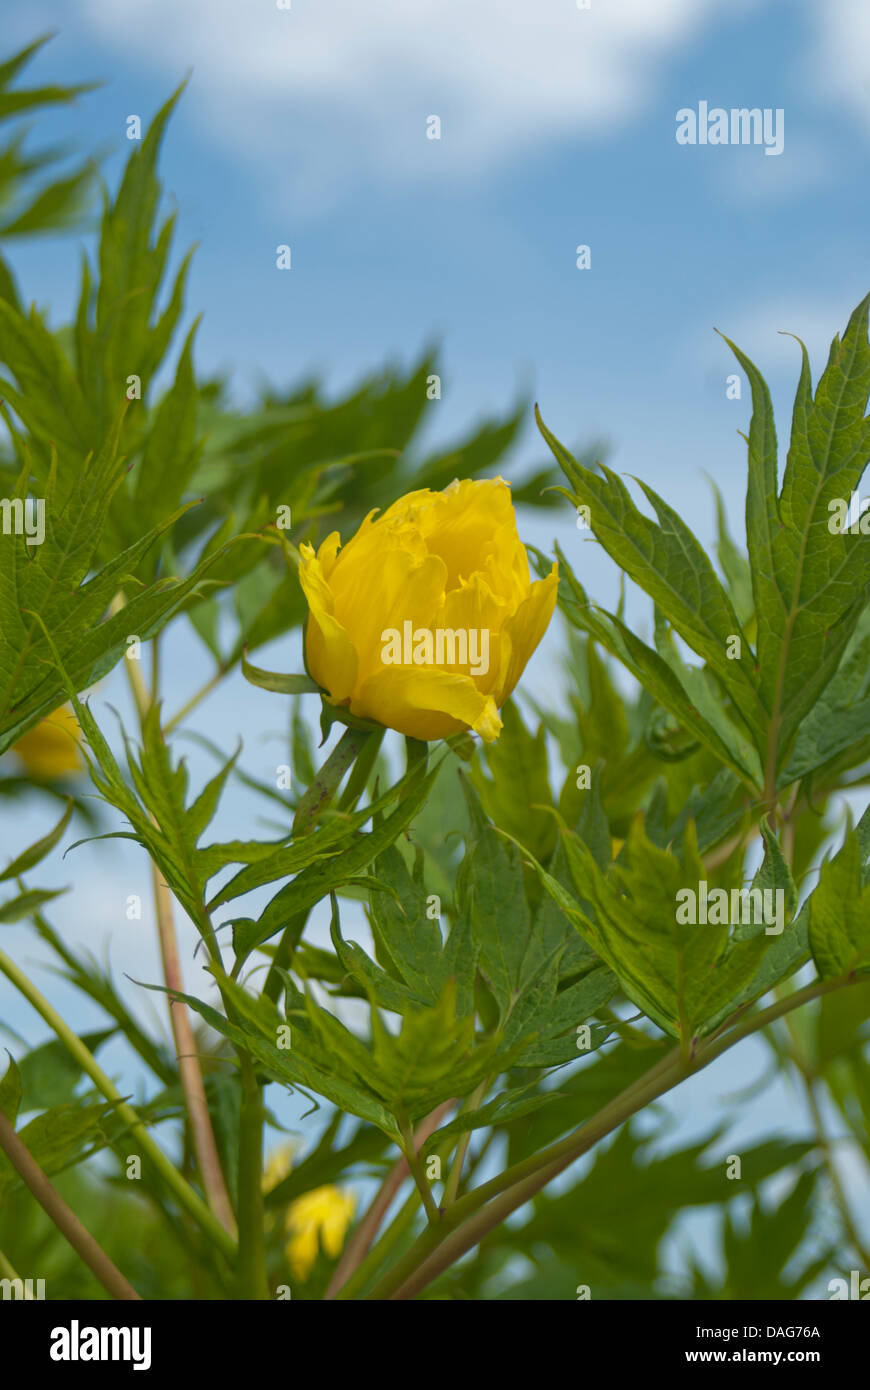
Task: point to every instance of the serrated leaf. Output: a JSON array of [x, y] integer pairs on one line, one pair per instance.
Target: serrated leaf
[[319, 879], [811, 584], [670, 564]]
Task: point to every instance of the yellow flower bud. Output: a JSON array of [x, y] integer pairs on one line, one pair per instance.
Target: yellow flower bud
[[50, 749], [424, 621]]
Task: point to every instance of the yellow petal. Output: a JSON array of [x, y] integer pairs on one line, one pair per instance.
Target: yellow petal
[[330, 653], [393, 589], [327, 553], [50, 749], [319, 1218], [465, 526], [427, 704], [474, 607], [526, 628]]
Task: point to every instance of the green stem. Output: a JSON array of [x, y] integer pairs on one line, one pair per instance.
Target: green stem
[[412, 1158], [364, 1256], [471, 1218], [6, 1269], [195, 699], [358, 750], [328, 779], [189, 1070], [362, 768], [253, 1280], [451, 1187], [382, 1247], [182, 1191], [283, 956], [89, 1251]]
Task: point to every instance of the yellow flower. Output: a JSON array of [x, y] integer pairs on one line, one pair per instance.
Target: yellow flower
[[425, 620], [319, 1218], [50, 749]]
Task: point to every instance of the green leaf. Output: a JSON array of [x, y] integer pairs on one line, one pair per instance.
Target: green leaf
[[25, 904], [58, 1139], [724, 738], [839, 914], [39, 849], [840, 719], [405, 934], [510, 777], [320, 879], [306, 1063], [171, 450], [492, 897], [671, 565], [281, 684], [10, 1091], [811, 583], [679, 972], [49, 1074], [57, 590]]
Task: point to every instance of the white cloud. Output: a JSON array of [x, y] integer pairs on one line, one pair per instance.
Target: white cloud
[[343, 88], [764, 330], [841, 61]]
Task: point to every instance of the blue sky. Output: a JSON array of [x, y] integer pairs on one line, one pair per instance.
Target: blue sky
[[307, 126]]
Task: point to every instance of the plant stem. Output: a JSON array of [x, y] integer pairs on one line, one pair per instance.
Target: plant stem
[[326, 783], [189, 1069], [283, 956], [368, 1268], [183, 1192], [195, 699], [253, 1280], [361, 1240], [451, 1187], [86, 1247], [487, 1206], [365, 761], [412, 1158], [8, 1271]]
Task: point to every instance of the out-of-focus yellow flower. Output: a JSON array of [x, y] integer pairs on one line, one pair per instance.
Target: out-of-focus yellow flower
[[318, 1219], [277, 1166], [425, 620], [51, 748]]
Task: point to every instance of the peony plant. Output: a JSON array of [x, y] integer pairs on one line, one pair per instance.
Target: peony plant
[[482, 934]]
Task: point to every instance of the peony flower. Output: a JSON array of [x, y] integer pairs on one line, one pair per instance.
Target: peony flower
[[50, 749], [424, 621], [319, 1218]]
